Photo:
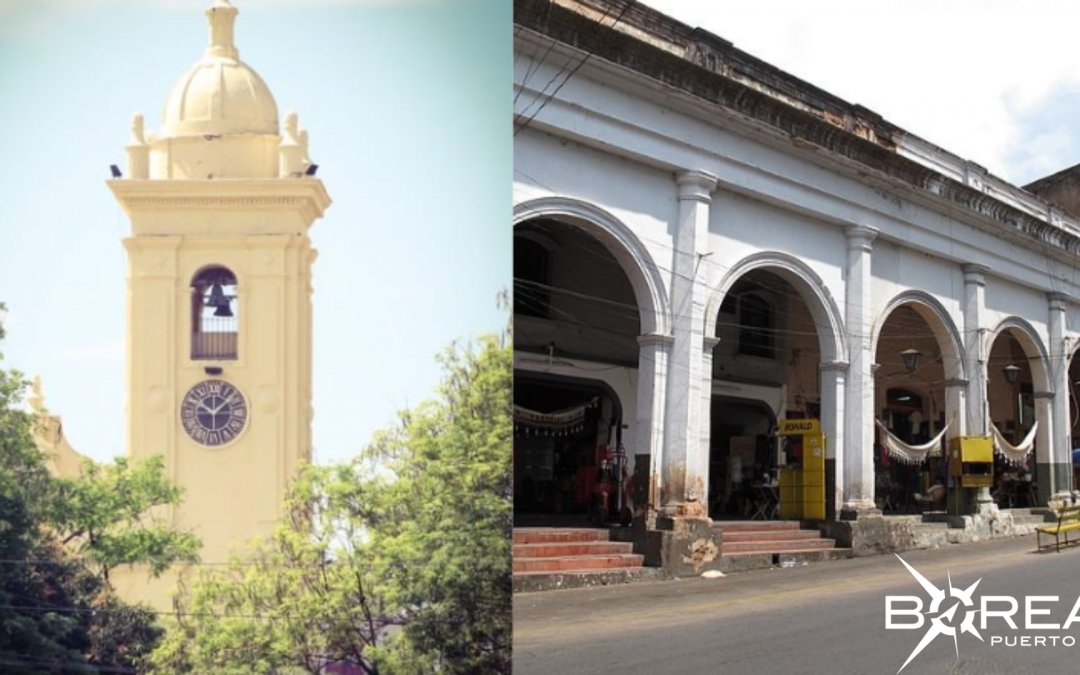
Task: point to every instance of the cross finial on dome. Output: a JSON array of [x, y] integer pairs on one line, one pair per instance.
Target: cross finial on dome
[[221, 16]]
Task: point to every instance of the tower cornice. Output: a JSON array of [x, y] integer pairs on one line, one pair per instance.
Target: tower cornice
[[142, 199]]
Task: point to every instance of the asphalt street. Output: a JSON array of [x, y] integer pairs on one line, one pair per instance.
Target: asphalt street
[[820, 618]]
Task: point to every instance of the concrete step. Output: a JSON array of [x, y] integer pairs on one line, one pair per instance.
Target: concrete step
[[577, 563], [912, 518], [742, 562], [1033, 520], [755, 525], [769, 535], [546, 535], [529, 582], [567, 549], [1037, 511], [776, 546], [930, 526]]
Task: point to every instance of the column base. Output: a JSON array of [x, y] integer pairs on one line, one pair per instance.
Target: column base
[[1061, 500], [1054, 482], [687, 509], [984, 502], [687, 545], [859, 508]]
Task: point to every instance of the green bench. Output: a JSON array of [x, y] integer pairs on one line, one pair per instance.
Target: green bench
[[1068, 519]]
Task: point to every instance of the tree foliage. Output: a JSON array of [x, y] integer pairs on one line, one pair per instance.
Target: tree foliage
[[116, 513], [396, 562], [58, 538]]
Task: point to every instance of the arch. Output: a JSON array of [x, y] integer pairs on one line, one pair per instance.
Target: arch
[[548, 377], [1033, 347], [210, 269], [624, 246], [214, 327], [941, 325], [823, 308], [1073, 342]]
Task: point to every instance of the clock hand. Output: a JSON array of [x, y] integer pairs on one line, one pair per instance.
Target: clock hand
[[224, 403]]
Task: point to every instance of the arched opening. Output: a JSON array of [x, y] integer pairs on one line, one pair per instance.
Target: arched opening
[[1010, 395], [563, 428], [576, 324], [766, 366], [532, 277], [1074, 419], [214, 310], [912, 410], [743, 456]]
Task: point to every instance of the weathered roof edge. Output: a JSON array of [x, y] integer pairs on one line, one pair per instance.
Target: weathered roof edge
[[802, 112]]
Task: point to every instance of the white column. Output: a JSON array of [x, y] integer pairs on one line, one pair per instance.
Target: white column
[[859, 432], [833, 386], [685, 473], [955, 413], [706, 407], [652, 385], [1061, 440], [974, 356], [1045, 469]]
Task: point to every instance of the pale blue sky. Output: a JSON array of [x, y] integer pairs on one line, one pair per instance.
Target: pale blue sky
[[406, 105], [988, 80]]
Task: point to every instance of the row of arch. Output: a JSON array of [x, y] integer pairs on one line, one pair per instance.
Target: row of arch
[[649, 287]]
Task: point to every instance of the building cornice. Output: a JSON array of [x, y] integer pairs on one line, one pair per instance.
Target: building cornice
[[665, 50], [308, 197]]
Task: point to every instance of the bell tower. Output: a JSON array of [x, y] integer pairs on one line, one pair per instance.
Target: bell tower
[[219, 299]]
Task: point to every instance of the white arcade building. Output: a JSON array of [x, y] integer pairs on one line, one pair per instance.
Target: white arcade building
[[705, 246]]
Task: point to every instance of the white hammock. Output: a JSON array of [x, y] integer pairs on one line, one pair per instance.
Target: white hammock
[[1013, 454], [559, 423], [910, 454]]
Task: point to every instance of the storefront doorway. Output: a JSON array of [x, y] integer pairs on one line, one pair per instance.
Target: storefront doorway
[[742, 455], [901, 484], [568, 458]]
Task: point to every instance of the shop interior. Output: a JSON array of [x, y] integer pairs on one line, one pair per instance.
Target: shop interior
[[566, 452]]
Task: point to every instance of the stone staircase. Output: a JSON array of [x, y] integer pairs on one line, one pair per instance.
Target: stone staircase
[[552, 558], [933, 530], [758, 544], [1026, 520]]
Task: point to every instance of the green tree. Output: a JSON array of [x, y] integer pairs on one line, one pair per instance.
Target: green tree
[[396, 562], [117, 513], [58, 539], [447, 553]]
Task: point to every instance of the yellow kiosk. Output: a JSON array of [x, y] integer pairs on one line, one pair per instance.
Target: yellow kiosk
[[971, 465], [802, 469]]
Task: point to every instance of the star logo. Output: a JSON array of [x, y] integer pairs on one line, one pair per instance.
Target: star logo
[[938, 625]]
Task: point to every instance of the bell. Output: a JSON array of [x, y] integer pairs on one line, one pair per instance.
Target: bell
[[219, 301]]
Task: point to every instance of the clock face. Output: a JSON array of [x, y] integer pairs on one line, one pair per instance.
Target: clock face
[[214, 413]]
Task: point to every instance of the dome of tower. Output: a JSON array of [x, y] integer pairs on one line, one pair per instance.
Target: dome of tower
[[220, 94]]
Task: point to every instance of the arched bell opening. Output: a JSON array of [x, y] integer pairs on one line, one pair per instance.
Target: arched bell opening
[[214, 309]]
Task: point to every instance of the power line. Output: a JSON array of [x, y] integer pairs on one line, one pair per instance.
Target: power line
[[529, 118], [19, 659]]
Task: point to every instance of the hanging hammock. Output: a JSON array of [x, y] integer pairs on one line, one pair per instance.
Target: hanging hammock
[[1013, 454], [910, 454], [560, 423]]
